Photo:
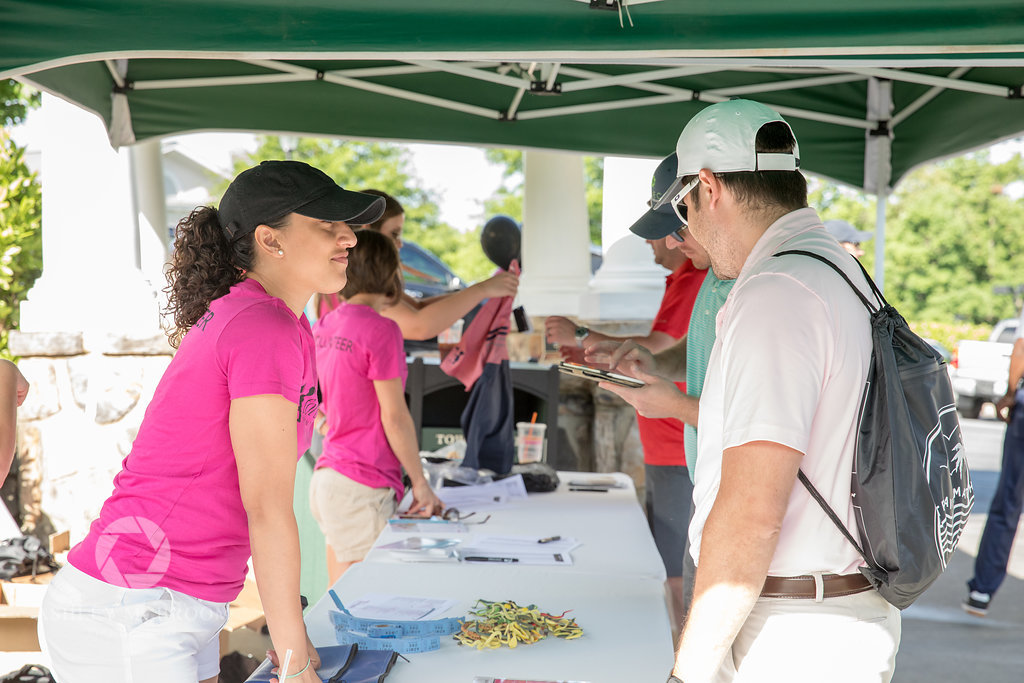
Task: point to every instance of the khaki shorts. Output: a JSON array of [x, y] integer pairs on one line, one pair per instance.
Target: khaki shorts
[[351, 515]]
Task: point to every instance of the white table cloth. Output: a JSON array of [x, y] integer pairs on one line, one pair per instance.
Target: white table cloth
[[615, 589]]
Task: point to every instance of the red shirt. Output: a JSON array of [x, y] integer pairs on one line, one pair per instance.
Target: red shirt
[[662, 439]]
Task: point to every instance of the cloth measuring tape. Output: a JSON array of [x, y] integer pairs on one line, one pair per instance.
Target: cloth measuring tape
[[404, 637]]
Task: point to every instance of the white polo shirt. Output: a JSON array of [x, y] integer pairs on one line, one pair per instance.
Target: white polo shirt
[[789, 366]]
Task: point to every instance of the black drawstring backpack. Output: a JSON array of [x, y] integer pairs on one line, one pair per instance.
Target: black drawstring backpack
[[30, 673], [911, 489]]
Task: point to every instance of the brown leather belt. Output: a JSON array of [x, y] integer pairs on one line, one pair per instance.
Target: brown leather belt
[[803, 587]]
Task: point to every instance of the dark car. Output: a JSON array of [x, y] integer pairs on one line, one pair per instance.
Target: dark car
[[425, 274]]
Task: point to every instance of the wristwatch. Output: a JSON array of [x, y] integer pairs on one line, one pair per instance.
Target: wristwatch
[[581, 334]]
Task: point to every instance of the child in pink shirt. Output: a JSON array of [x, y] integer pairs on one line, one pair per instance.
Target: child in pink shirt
[[370, 434], [210, 477]]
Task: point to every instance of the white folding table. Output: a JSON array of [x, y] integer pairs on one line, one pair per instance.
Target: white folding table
[[615, 589]]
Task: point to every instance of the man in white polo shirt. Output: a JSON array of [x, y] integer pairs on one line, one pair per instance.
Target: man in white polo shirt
[[778, 593]]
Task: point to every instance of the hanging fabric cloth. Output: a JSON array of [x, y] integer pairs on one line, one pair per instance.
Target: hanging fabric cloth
[[480, 361]]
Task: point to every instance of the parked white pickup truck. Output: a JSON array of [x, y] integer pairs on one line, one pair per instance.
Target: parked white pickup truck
[[982, 368]]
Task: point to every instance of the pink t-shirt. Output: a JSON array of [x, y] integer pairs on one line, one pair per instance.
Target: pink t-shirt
[[175, 518], [355, 346]]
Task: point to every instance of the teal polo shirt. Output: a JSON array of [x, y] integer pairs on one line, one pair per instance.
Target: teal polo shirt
[[700, 338]]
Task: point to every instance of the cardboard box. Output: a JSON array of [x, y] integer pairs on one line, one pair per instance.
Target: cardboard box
[[22, 594], [20, 599], [18, 628]]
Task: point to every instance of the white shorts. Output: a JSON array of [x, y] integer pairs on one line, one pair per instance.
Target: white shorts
[[94, 632]]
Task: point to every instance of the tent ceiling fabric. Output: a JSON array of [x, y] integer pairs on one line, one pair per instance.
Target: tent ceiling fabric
[[536, 73]]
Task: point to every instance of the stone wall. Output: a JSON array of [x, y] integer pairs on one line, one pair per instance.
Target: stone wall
[[78, 422]]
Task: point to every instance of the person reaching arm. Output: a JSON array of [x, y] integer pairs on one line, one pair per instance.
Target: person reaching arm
[[13, 390]]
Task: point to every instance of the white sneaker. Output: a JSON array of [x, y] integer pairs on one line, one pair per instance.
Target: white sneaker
[[977, 603]]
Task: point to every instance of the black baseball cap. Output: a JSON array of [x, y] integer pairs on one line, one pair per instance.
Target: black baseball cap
[[660, 222], [277, 188]]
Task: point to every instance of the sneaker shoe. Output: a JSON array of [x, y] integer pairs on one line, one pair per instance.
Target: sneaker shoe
[[977, 603]]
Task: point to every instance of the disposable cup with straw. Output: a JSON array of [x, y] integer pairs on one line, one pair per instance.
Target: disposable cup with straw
[[530, 440]]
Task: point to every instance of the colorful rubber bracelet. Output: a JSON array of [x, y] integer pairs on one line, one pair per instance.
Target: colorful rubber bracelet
[[301, 671]]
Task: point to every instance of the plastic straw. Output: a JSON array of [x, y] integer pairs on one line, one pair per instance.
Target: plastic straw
[[533, 421], [284, 666]]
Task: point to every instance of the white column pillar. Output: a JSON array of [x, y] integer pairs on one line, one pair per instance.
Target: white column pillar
[[90, 281], [628, 285], [556, 252], [154, 240]]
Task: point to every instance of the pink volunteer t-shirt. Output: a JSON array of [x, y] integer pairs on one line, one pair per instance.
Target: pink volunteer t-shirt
[[355, 346], [175, 518]]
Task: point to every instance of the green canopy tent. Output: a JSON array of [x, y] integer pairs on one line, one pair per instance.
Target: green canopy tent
[[871, 88]]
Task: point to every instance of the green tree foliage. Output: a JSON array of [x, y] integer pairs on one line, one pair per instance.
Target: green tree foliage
[[364, 165], [953, 235], [509, 197], [21, 248], [15, 102]]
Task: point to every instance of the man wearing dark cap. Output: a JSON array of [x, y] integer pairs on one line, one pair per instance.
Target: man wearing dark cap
[[667, 483], [778, 593], [673, 377]]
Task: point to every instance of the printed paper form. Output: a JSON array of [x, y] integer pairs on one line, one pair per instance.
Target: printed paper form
[[398, 607], [525, 549], [494, 494]]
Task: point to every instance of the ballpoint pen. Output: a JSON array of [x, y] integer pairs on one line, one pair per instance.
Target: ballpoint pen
[[480, 558], [550, 539]]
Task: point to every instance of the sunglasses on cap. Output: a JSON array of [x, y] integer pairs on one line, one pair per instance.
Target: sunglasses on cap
[[677, 203]]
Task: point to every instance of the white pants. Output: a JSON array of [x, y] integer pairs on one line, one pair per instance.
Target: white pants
[[852, 639], [95, 632]]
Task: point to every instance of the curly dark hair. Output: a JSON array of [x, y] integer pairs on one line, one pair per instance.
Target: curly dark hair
[[204, 267], [373, 266]]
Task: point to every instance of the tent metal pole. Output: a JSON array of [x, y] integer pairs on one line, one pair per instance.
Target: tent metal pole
[[786, 85], [218, 81], [883, 196], [925, 98], [514, 107], [603, 81], [458, 69], [603, 106], [112, 68], [552, 77], [878, 162], [332, 77], [940, 81]]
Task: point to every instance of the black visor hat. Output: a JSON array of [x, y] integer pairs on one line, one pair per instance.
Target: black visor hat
[[277, 188]]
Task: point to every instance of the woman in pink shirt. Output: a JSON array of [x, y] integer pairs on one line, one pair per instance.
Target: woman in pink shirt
[[370, 434], [210, 477], [421, 319]]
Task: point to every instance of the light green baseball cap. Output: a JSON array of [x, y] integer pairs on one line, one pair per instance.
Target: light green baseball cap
[[721, 138]]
